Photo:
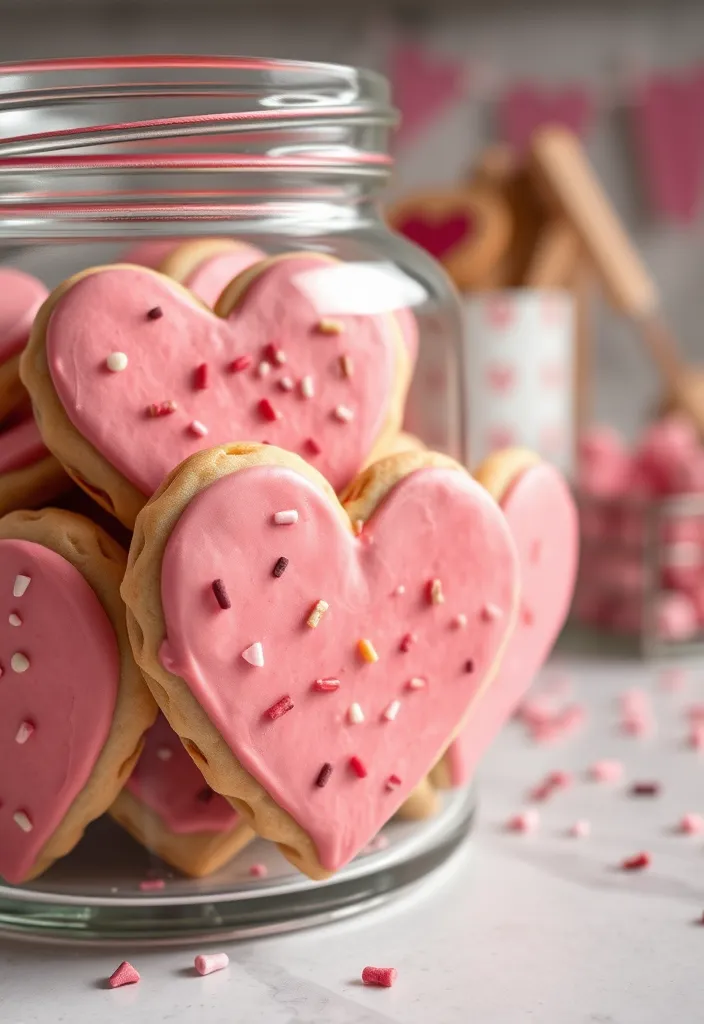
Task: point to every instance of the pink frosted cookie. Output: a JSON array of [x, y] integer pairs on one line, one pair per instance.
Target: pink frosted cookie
[[74, 704], [542, 517], [307, 653], [169, 808], [29, 475], [131, 374], [21, 295], [207, 265]]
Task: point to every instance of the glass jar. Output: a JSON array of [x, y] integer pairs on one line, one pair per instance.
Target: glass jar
[[98, 156]]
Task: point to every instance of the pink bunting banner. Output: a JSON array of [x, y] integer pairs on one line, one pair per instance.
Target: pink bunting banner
[[526, 107], [423, 86], [669, 131]]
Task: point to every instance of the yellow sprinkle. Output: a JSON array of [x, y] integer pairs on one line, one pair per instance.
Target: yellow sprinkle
[[358, 526], [366, 649], [436, 594], [317, 613], [330, 327], [347, 366]]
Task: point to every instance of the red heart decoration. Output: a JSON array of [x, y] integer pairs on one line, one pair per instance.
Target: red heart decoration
[[422, 86], [438, 235], [542, 518], [431, 593], [501, 378], [500, 311], [191, 374]]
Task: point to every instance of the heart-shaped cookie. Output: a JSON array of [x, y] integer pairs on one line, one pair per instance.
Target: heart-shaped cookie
[[207, 265], [315, 659], [29, 475], [130, 374], [542, 517], [73, 705], [167, 806], [21, 295]]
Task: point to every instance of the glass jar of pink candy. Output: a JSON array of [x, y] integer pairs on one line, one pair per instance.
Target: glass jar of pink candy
[[192, 254]]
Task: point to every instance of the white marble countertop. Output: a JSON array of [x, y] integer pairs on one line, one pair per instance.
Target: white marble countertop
[[516, 928]]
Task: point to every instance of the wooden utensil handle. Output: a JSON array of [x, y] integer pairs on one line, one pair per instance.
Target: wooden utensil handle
[[555, 257]]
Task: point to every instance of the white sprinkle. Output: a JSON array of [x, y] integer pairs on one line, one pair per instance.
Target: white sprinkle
[[393, 782], [343, 414], [347, 366], [14, 619], [355, 714], [307, 387], [436, 594], [286, 384], [580, 830], [21, 819], [264, 368], [164, 753], [287, 517], [491, 612], [198, 428], [19, 662], [416, 683], [400, 590], [279, 356], [116, 362], [460, 621], [392, 710], [20, 585], [24, 732], [254, 655], [328, 326], [317, 613]]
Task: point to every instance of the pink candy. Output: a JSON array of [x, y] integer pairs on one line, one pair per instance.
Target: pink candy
[[379, 976], [526, 821], [125, 974], [606, 771], [580, 830], [208, 963], [152, 885], [691, 824]]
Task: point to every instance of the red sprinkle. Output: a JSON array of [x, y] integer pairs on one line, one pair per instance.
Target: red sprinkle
[[259, 871], [239, 364], [280, 708], [358, 768], [383, 977], [636, 863], [645, 789], [274, 353], [407, 642], [125, 974], [152, 885], [161, 408], [324, 775], [552, 782], [329, 685], [221, 594], [268, 411], [155, 313], [469, 665], [200, 377], [393, 781], [312, 446]]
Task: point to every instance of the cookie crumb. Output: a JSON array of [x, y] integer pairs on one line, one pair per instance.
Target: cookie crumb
[[125, 974]]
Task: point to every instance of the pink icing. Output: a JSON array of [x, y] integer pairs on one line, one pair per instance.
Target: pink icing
[[543, 520], [68, 694], [21, 445], [21, 295], [174, 788], [107, 311], [209, 279], [435, 524]]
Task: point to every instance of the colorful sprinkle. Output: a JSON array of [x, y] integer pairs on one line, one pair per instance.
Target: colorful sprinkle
[[264, 369], [393, 782], [328, 685], [416, 683], [324, 775], [552, 782], [20, 585], [164, 753], [307, 387], [152, 885], [469, 665], [280, 708], [274, 354], [580, 829], [155, 313], [280, 567], [367, 650], [208, 963], [645, 789], [267, 410], [198, 428], [317, 613], [125, 974], [392, 711], [491, 612], [358, 527], [434, 592], [286, 384], [527, 821], [116, 362], [407, 641], [636, 863], [399, 591], [287, 517], [254, 655], [606, 771], [200, 377], [259, 871], [312, 446], [22, 819], [383, 977], [221, 595], [691, 824], [24, 732], [157, 409], [460, 621], [330, 326], [14, 619], [240, 363], [358, 767], [347, 366], [343, 413], [19, 662], [355, 714]]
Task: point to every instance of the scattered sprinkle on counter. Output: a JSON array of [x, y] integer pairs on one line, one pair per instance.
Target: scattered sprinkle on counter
[[125, 974], [379, 977]]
